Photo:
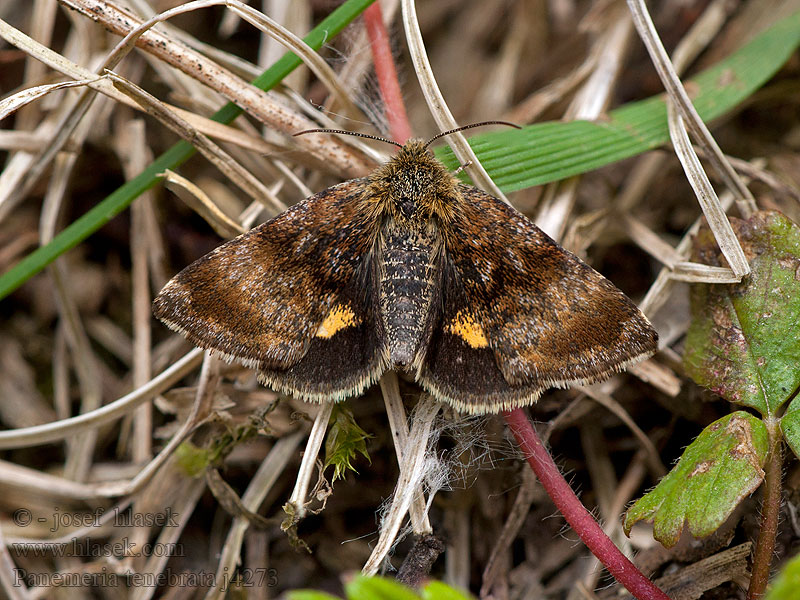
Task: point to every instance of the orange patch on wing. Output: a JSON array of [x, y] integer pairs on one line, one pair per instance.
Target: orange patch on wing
[[465, 327], [340, 317]]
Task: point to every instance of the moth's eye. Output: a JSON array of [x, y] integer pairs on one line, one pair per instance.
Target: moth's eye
[[407, 206]]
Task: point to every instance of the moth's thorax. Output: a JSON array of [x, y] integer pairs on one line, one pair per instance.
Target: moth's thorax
[[412, 188]]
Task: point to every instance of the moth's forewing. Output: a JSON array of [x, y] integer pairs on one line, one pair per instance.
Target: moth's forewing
[[521, 314], [348, 352], [292, 284]]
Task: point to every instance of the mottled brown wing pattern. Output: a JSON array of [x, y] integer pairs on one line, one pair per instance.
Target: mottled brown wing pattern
[[264, 297], [342, 360], [459, 365], [519, 302]]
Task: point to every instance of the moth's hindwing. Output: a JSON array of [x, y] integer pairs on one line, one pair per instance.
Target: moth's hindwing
[[521, 314], [297, 283], [347, 352]]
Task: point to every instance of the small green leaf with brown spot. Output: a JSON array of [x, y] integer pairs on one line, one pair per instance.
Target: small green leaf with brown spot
[[719, 469], [743, 341]]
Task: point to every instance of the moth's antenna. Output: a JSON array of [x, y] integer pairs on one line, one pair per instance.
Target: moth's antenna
[[463, 127], [354, 133]]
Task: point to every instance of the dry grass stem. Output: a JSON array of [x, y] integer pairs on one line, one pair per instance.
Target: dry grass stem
[[49, 487], [16, 101], [299, 498], [607, 401], [529, 110], [24, 141], [243, 68], [377, 156], [699, 273], [156, 564], [709, 202], [256, 102], [292, 42], [136, 156], [604, 481], [701, 34], [412, 473], [265, 477], [8, 578], [592, 99], [529, 491], [650, 242], [691, 582], [59, 430], [293, 16], [661, 287], [660, 377], [457, 555], [398, 425], [678, 94], [16, 183], [437, 104], [216, 155], [355, 72], [80, 449], [588, 103]]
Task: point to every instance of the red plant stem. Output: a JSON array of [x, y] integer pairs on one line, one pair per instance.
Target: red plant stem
[[387, 75], [575, 513], [770, 509]]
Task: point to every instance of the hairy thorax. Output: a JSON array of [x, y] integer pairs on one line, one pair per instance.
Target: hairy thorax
[[410, 196]]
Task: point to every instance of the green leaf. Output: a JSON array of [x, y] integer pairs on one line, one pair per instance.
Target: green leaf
[[790, 425], [722, 466], [344, 441], [743, 341], [120, 199], [310, 595], [381, 588], [786, 585], [192, 459], [544, 152], [378, 588], [436, 590]]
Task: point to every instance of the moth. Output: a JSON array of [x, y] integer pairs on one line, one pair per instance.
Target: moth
[[407, 269]]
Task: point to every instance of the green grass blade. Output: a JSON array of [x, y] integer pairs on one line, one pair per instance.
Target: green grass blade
[[120, 199], [545, 152]]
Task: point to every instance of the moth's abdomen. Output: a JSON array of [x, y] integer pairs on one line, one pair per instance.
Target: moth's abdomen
[[407, 282]]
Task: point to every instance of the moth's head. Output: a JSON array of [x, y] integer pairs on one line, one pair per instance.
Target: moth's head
[[413, 186]]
